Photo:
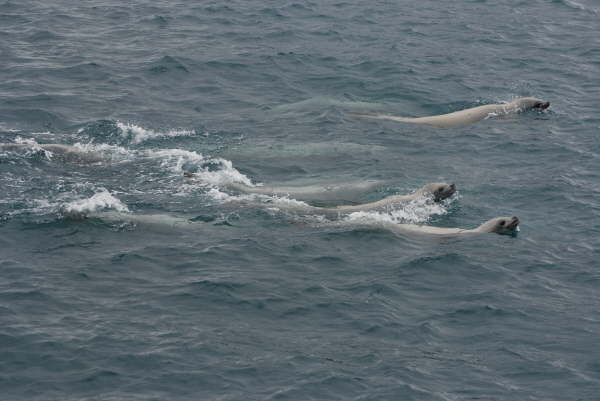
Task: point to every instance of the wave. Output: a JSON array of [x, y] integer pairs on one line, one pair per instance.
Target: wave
[[137, 134], [34, 148], [416, 211], [70, 204], [101, 200], [123, 133], [208, 172]]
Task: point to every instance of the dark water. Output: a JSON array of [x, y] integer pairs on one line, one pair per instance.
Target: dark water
[[176, 289]]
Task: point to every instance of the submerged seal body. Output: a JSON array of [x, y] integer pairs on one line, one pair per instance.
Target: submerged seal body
[[335, 192], [469, 116], [51, 150], [500, 225], [437, 191]]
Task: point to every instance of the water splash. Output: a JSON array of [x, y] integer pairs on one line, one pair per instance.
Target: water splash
[[101, 200], [417, 211], [139, 134], [35, 148]]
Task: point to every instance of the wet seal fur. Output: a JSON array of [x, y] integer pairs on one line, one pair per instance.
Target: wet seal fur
[[327, 193], [499, 225], [469, 116], [335, 192], [436, 191]]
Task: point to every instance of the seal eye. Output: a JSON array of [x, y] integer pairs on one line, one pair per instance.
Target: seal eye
[[502, 223]]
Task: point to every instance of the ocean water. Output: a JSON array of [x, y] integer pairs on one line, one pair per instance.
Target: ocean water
[[121, 279]]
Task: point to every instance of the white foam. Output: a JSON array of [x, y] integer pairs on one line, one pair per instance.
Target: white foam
[[175, 159], [227, 174], [272, 202], [35, 147], [179, 160], [102, 200], [112, 153], [416, 211], [220, 196], [102, 148], [42, 204], [139, 134], [286, 203]]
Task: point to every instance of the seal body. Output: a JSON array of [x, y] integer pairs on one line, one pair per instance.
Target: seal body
[[326, 193], [500, 225], [469, 116], [436, 191]]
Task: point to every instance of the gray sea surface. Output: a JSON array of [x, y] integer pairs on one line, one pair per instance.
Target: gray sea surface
[[121, 279]]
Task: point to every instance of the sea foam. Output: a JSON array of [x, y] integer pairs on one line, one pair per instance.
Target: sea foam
[[35, 147], [139, 134], [102, 200]]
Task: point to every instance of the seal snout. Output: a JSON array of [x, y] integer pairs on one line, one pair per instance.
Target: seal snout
[[444, 191], [513, 223], [450, 190], [542, 105]]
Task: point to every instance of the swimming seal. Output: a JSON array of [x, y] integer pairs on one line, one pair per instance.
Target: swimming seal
[[335, 192], [65, 152], [437, 191], [327, 193], [469, 116], [500, 225]]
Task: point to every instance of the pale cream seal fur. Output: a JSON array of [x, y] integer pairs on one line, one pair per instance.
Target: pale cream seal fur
[[500, 225], [333, 192], [469, 116], [436, 191]]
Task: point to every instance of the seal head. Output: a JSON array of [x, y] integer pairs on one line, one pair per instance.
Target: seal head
[[529, 103], [500, 225], [439, 190]]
